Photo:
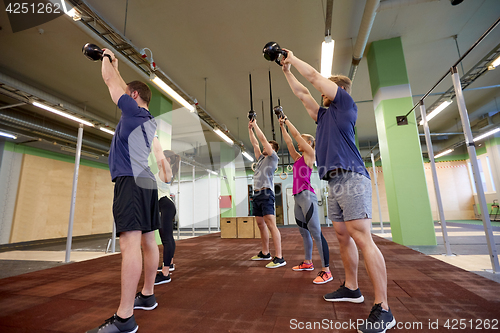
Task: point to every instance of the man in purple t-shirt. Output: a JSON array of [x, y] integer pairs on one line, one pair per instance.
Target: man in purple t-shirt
[[349, 196], [135, 201]]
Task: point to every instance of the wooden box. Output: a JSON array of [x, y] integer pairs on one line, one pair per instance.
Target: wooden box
[[245, 226], [228, 228]]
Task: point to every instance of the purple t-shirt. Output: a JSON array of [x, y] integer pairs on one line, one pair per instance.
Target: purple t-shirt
[[301, 176], [131, 144], [335, 139]]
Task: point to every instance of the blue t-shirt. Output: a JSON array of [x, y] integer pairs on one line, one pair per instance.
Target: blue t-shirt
[[335, 140], [131, 144]]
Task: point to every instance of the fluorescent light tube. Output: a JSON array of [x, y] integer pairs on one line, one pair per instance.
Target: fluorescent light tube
[[171, 92], [446, 152], [248, 156], [495, 63], [7, 135], [63, 114], [482, 136], [223, 136], [104, 129], [327, 56], [212, 172], [434, 112]]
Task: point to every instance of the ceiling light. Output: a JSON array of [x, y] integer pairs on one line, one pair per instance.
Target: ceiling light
[[446, 152], [63, 114], [223, 136], [171, 92], [75, 15], [327, 56], [107, 130], [482, 136], [434, 112], [248, 156], [494, 63], [7, 135]]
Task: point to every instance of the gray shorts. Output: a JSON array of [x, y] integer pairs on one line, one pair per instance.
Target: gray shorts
[[349, 197]]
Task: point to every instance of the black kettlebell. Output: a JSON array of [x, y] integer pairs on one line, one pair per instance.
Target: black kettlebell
[[252, 115], [278, 111], [273, 52], [94, 52]]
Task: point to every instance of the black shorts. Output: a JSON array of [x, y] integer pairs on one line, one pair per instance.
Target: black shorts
[[135, 207], [263, 203]]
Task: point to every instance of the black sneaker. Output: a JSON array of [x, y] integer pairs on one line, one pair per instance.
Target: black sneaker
[[378, 321], [144, 302], [277, 262], [113, 325], [344, 294], [262, 256], [161, 278], [171, 268]]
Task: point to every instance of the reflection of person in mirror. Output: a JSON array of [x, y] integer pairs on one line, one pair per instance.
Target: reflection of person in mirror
[[168, 167], [135, 202], [340, 163], [306, 203], [263, 199]]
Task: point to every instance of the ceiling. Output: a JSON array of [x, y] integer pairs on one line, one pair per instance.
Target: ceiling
[[209, 48]]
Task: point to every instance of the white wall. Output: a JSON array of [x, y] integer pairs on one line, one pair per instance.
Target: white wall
[[10, 170]]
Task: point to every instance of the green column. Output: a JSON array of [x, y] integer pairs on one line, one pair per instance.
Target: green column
[[406, 188], [228, 183], [160, 107]]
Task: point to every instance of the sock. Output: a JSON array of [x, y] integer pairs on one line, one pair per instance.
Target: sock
[[122, 320], [144, 296]]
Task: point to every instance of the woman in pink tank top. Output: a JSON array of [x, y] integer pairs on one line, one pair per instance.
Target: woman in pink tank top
[[306, 204]]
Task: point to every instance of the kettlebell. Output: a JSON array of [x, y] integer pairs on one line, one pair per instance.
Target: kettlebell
[[278, 111], [273, 52], [94, 52], [252, 115]]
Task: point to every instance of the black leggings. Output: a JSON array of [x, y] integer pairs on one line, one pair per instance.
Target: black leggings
[[167, 209]]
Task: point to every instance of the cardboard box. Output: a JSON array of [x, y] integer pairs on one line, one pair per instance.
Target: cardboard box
[[228, 228], [245, 226]]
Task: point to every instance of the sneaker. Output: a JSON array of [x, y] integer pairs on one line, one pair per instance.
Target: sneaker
[[161, 278], [304, 267], [171, 268], [262, 256], [378, 321], [344, 294], [113, 325], [142, 302], [277, 262], [323, 277]]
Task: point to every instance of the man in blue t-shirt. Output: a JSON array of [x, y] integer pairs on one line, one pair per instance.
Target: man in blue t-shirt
[[135, 201], [349, 196]]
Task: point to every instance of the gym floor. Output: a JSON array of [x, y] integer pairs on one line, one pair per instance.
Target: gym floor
[[216, 288]]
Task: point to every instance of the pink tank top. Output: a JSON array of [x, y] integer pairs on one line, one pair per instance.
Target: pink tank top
[[301, 176]]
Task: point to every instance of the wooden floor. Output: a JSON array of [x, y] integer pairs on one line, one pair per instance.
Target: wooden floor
[[216, 288]]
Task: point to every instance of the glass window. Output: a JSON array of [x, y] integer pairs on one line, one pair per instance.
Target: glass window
[[493, 189]]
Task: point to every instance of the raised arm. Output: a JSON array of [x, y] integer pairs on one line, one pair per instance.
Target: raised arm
[[262, 138], [322, 84], [301, 92], [309, 154], [253, 140], [111, 76], [288, 140], [165, 171]]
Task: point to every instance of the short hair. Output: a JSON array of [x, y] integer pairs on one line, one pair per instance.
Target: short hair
[[309, 137], [142, 89], [275, 145], [342, 81]]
